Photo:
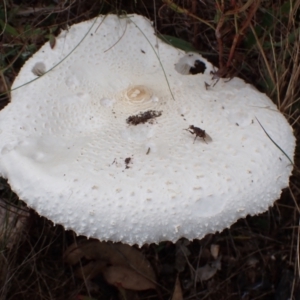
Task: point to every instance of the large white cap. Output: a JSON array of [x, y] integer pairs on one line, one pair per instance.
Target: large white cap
[[70, 149]]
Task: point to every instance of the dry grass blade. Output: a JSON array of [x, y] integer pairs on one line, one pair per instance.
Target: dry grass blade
[[181, 10], [13, 223], [281, 58]]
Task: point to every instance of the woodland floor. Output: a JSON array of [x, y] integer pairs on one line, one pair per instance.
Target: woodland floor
[[258, 257]]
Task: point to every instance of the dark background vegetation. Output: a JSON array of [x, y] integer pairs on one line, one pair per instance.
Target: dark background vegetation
[[256, 40]]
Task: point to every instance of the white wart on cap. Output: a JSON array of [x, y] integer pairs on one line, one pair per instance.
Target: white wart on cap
[[70, 148]]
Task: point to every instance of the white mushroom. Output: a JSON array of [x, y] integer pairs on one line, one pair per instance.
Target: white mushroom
[[95, 138]]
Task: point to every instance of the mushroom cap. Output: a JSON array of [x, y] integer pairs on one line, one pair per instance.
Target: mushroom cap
[[70, 149]]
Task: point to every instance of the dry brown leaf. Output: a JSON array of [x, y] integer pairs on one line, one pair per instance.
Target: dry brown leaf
[[177, 294], [104, 253], [91, 270], [122, 254], [73, 254], [89, 249], [127, 278]]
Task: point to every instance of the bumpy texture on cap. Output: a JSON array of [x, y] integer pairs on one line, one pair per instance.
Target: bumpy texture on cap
[[80, 146]]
